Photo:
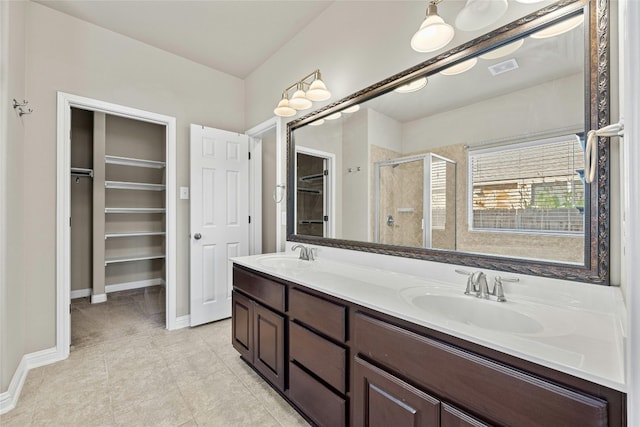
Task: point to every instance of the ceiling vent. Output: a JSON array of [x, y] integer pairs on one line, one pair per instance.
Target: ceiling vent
[[503, 67]]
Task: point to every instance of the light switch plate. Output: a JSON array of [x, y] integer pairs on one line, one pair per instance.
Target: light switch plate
[[184, 193]]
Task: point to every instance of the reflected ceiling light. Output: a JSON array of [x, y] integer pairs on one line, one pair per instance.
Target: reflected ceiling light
[[352, 109], [334, 116], [299, 99], [559, 28], [504, 50], [412, 86], [478, 14], [434, 33], [316, 91], [283, 109], [317, 122], [460, 68]]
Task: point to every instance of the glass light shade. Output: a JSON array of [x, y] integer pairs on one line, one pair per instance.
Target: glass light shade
[[299, 100], [559, 28], [352, 109], [334, 116], [317, 122], [318, 91], [433, 34], [478, 14], [412, 86], [460, 68], [283, 109], [505, 50]]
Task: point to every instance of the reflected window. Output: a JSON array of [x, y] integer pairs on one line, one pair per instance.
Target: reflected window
[[535, 187]]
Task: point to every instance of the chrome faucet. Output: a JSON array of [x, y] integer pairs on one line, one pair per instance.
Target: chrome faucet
[[477, 285], [307, 254]]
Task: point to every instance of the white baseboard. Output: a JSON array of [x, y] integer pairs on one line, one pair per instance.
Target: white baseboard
[[181, 322], [81, 293], [9, 398], [98, 298], [133, 285]]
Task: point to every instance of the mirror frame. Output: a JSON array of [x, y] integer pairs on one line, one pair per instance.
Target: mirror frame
[[596, 254]]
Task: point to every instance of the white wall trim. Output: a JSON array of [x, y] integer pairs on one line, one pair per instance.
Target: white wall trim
[[80, 293], [63, 207], [182, 322], [9, 398], [98, 298]]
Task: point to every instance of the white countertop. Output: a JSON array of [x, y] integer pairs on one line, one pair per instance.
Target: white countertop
[[580, 330]]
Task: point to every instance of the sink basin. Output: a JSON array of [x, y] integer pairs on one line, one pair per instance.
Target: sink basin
[[484, 314], [282, 262]]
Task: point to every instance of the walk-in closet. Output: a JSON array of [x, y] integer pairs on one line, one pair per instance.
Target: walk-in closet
[[118, 207]]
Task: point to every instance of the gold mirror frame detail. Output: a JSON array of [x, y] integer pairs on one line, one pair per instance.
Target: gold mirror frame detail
[[596, 267]]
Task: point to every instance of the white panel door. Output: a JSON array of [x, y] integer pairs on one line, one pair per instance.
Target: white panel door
[[219, 226]]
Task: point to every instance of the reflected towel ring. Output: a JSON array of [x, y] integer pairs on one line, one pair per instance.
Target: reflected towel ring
[[275, 191], [591, 148]]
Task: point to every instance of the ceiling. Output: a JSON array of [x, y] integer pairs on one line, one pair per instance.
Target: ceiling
[[211, 33]]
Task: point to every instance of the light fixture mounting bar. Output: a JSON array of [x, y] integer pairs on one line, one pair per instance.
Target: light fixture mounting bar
[[315, 74]]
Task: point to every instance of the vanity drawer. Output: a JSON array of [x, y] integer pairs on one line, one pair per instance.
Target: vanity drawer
[[323, 406], [507, 396], [319, 314], [320, 356], [260, 288]]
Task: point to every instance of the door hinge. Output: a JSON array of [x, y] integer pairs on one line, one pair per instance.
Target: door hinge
[[249, 155], [249, 219], [69, 222], [325, 172], [326, 218]]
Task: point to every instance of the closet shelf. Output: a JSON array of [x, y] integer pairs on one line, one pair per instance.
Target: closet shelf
[[121, 185], [128, 161], [309, 191], [116, 260], [311, 178], [134, 234], [135, 210], [311, 221], [82, 172]]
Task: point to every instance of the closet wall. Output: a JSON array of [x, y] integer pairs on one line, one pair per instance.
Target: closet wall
[[118, 216]]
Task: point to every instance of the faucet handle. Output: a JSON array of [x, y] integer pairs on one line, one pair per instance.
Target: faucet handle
[[470, 287], [312, 253], [498, 289]]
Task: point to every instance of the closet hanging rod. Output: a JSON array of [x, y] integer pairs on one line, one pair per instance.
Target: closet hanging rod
[[82, 172]]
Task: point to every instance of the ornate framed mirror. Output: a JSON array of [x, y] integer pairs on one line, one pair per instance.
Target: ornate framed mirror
[[482, 165]]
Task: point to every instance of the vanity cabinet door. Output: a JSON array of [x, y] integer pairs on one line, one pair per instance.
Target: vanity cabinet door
[[381, 400], [453, 417], [269, 352], [242, 325]]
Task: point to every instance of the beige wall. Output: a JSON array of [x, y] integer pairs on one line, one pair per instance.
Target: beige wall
[[66, 54], [269, 218], [13, 298]]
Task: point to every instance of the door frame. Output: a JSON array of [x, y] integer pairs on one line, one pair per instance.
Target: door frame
[[330, 195], [255, 183], [63, 207]]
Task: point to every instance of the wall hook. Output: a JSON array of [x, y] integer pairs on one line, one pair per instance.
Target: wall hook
[[22, 112], [17, 104]]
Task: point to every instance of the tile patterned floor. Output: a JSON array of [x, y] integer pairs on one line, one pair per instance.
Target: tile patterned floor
[[125, 369]]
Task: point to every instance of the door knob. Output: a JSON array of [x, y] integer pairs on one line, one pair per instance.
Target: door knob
[[197, 236]]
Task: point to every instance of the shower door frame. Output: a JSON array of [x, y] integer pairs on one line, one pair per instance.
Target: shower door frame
[[426, 192]]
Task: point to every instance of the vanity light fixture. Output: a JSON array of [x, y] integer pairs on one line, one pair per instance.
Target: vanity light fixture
[[352, 109], [412, 86], [505, 50], [316, 90], [434, 33], [478, 14], [460, 67], [283, 109], [559, 28]]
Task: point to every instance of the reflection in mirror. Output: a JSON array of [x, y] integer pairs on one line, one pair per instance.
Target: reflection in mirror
[[481, 157]]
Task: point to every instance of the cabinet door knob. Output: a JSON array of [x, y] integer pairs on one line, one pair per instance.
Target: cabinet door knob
[[197, 236]]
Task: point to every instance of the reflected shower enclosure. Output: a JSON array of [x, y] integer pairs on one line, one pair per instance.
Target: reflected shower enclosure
[[415, 202]]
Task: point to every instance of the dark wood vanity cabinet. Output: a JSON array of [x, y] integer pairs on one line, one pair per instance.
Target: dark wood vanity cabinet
[[341, 364], [258, 329]]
